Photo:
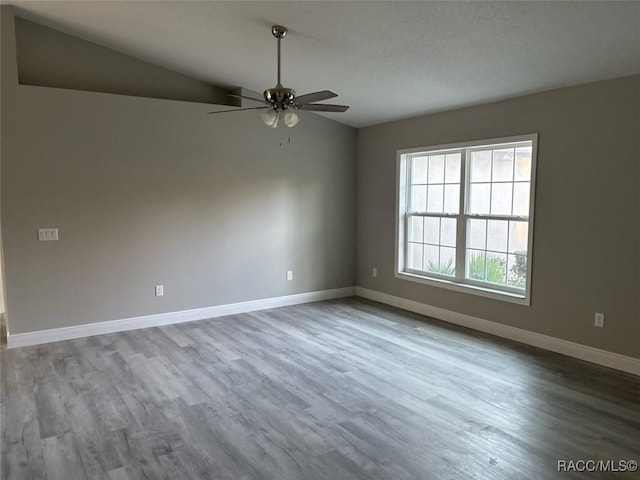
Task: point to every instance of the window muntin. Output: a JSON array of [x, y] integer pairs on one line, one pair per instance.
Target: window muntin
[[465, 214]]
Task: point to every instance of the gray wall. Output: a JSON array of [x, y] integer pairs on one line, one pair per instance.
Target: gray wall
[[587, 213], [148, 192]]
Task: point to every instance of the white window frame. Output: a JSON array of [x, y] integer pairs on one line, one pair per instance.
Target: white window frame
[[460, 283]]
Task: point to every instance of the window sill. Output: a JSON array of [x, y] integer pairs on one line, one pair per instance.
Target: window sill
[[520, 299]]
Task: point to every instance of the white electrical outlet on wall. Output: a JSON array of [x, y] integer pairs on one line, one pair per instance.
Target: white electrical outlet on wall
[[599, 320], [159, 290], [290, 275], [374, 272]]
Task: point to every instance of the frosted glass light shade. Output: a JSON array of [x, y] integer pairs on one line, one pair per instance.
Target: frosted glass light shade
[[291, 119], [270, 118]]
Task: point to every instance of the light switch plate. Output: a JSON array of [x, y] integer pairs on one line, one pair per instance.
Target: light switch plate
[[47, 234], [599, 320]]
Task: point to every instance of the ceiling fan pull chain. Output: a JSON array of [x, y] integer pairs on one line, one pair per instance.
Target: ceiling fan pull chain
[[282, 143]]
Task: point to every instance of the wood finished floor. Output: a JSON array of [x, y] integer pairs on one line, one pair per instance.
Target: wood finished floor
[[346, 389]]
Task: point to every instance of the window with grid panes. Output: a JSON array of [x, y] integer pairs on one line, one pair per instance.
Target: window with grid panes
[[465, 216]]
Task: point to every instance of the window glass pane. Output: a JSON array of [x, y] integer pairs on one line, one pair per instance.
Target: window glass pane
[[447, 261], [419, 170], [452, 171], [518, 237], [479, 198], [476, 264], [451, 198], [432, 230], [414, 256], [477, 234], [497, 235], [415, 229], [435, 198], [480, 166], [487, 266], [501, 198], [418, 198], [503, 165], [431, 258], [523, 163], [436, 169], [496, 268], [517, 271], [448, 232], [521, 198]]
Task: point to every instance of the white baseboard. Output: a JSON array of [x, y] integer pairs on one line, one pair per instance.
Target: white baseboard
[[576, 350], [112, 326], [571, 349]]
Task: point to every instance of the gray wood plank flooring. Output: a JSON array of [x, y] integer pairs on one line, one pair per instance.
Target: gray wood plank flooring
[[345, 389]]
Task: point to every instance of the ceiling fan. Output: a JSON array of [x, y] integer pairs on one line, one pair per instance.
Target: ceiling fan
[[282, 102]]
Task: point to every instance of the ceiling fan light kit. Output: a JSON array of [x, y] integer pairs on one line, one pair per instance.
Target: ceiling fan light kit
[[271, 117], [282, 102]]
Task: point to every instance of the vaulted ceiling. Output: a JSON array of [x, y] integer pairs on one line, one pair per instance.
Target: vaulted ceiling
[[388, 60]]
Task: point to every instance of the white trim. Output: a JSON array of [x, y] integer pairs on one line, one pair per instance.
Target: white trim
[[564, 347], [470, 288], [482, 143], [401, 210], [113, 326]]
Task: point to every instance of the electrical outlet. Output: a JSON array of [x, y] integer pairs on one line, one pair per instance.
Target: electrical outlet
[[47, 234], [159, 290], [599, 320], [290, 275], [374, 272]]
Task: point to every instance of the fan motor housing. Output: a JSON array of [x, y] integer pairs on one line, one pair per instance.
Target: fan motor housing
[[280, 96]]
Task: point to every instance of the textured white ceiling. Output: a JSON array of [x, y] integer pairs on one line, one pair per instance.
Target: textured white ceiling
[[388, 60]]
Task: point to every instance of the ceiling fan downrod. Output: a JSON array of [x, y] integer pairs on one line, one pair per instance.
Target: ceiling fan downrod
[[279, 97], [279, 32]]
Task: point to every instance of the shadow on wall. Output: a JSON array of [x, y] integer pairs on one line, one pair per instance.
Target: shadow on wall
[[3, 332], [3, 316], [2, 292], [49, 58]]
